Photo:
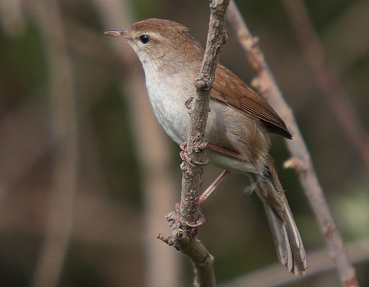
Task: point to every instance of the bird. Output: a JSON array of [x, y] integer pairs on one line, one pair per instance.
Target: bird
[[238, 125]]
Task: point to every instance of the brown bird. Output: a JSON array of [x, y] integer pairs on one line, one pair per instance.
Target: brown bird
[[238, 123]]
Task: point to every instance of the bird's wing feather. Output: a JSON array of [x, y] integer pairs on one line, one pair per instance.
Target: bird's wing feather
[[232, 91]]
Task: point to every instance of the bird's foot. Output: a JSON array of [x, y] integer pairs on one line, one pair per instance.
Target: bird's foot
[[189, 159], [175, 222]]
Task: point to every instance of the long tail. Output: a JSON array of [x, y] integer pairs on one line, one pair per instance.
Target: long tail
[[289, 246]]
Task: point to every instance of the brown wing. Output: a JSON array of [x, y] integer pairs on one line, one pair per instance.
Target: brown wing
[[231, 90]]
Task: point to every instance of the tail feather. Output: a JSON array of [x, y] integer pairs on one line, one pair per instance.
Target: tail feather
[[287, 239], [288, 243]]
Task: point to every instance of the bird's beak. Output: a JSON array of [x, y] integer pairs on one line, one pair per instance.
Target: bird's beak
[[119, 34]]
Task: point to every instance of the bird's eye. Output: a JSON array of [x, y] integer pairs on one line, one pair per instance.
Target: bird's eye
[[145, 39]]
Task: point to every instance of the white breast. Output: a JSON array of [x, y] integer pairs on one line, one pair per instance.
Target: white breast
[[168, 96]]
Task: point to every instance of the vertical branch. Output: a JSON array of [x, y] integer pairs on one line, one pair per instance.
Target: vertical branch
[[194, 156], [301, 160], [327, 79], [198, 110], [63, 115]]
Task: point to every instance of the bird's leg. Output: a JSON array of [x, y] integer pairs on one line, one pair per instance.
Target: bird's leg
[[213, 186], [174, 217]]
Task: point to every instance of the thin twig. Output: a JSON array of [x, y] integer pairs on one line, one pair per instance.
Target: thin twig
[[267, 85], [194, 156], [63, 117], [327, 79]]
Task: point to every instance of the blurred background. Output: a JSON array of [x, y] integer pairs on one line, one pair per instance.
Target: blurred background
[[87, 175]]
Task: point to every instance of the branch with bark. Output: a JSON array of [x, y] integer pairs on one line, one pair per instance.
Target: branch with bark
[[326, 78], [301, 160], [184, 228]]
